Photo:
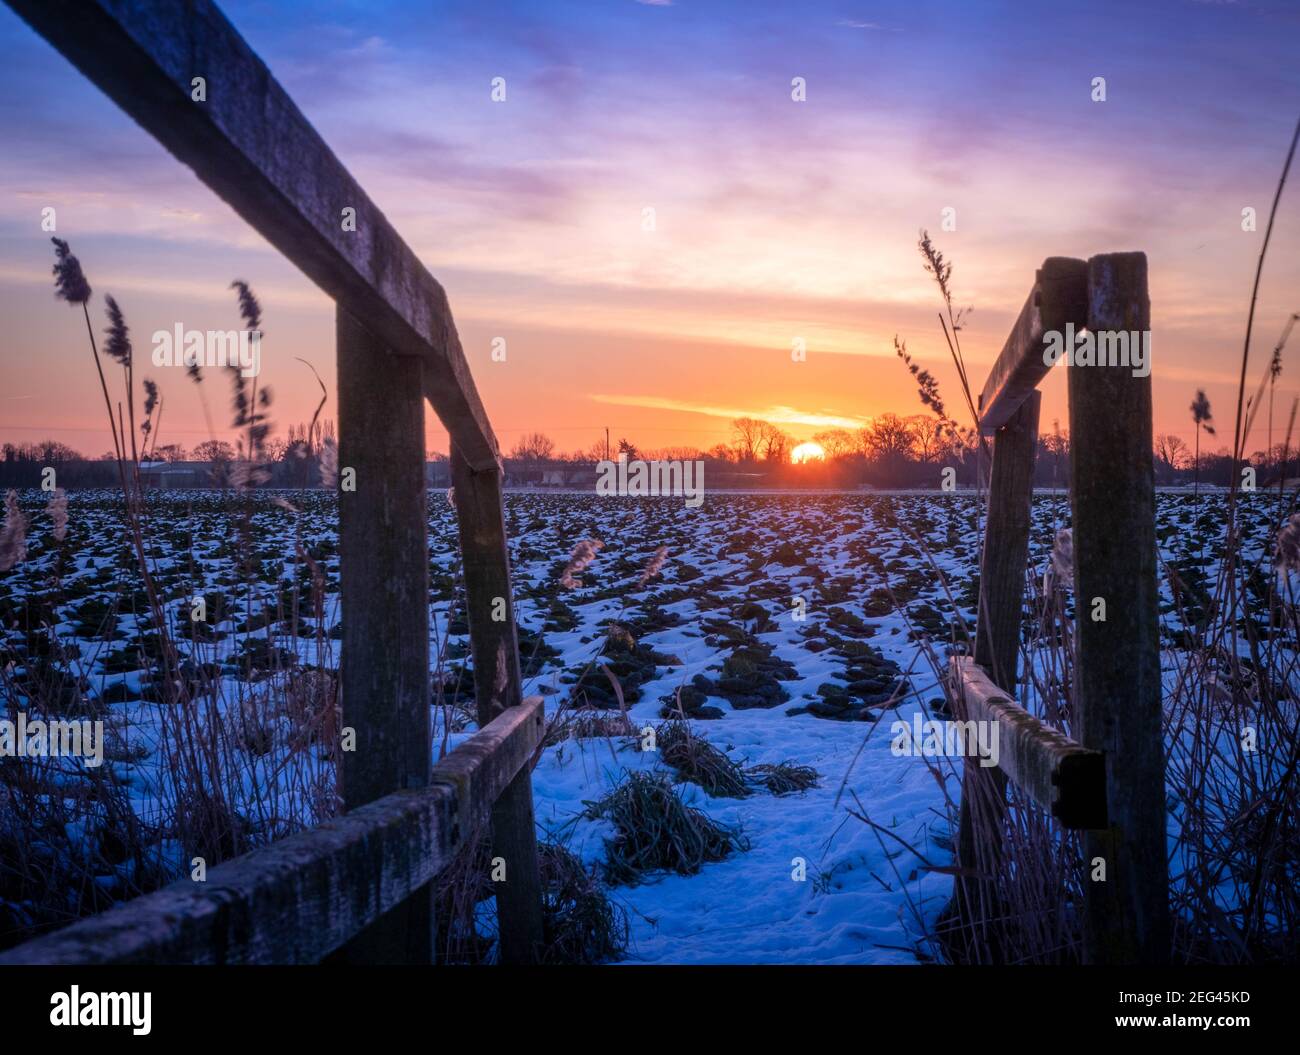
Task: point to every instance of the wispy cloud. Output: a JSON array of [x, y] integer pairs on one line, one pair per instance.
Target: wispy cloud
[[777, 415], [775, 220]]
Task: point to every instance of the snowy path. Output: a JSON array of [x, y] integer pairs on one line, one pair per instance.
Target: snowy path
[[850, 905]]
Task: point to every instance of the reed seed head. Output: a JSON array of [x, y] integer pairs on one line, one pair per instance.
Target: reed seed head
[[69, 281]]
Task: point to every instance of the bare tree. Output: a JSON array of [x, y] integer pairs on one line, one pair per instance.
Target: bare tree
[[888, 443], [534, 447], [1171, 449], [214, 451], [927, 436], [275, 449], [749, 435], [775, 443], [171, 452], [889, 437], [1202, 418], [837, 443]]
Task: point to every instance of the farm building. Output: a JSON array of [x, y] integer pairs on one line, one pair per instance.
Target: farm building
[[167, 475]]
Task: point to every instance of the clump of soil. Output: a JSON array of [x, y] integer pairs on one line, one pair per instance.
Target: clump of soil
[[751, 677], [784, 778], [871, 682], [693, 701], [632, 663]]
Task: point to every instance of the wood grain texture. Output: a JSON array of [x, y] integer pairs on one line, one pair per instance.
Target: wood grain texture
[[1003, 557], [1118, 689], [1059, 296], [384, 594], [383, 568], [1059, 774], [305, 896], [1005, 553], [498, 686]]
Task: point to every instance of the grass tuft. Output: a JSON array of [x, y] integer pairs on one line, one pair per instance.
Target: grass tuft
[[784, 778], [658, 832], [695, 759], [580, 923]]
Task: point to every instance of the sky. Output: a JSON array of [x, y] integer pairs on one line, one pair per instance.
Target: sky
[[775, 220]]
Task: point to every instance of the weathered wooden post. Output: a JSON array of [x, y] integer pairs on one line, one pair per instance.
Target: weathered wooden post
[[498, 684], [1118, 689], [997, 645], [1006, 545], [1009, 408], [384, 589]]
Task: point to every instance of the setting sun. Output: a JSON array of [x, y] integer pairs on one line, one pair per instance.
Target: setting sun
[[807, 452]]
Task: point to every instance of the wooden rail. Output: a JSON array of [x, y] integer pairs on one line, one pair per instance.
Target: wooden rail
[[186, 76], [1062, 776], [301, 898], [1110, 783]]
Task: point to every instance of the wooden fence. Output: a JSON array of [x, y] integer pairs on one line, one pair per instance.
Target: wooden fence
[[1110, 782], [360, 884]]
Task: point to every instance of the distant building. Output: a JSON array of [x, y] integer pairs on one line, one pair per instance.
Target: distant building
[[521, 473], [168, 475]]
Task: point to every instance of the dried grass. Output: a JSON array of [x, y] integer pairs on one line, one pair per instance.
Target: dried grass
[[580, 923], [698, 761], [656, 831]]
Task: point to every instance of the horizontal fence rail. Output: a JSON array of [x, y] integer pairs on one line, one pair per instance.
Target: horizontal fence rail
[[1059, 774], [248, 141], [301, 898]]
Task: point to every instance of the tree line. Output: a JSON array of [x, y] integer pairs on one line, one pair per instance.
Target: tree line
[[890, 451]]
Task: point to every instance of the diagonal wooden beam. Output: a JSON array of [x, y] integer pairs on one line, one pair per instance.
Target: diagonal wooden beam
[[498, 688], [1059, 296], [251, 144]]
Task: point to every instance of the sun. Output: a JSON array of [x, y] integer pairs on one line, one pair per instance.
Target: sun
[[808, 452]]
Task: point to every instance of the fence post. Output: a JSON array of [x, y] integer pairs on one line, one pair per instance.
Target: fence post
[[498, 684], [1006, 545], [997, 647], [1117, 675], [384, 588]]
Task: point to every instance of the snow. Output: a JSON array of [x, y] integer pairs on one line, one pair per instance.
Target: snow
[[867, 889]]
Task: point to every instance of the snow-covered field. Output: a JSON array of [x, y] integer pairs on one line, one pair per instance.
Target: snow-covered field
[[786, 627]]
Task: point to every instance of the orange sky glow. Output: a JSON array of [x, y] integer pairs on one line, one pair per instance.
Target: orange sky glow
[[775, 222]]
